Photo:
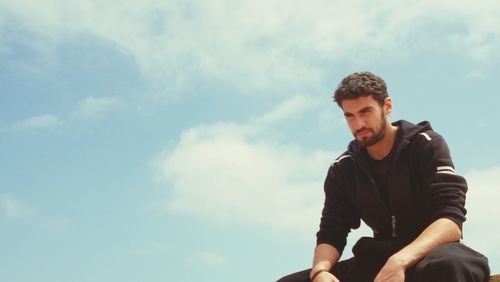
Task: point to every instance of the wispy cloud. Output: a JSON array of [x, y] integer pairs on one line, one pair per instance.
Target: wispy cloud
[[259, 43], [37, 122], [211, 258], [87, 108], [291, 108], [57, 224], [12, 208], [154, 250], [96, 106]]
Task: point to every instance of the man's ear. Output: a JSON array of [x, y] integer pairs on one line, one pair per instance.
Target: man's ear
[[388, 105]]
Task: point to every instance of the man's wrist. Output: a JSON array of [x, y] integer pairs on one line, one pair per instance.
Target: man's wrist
[[402, 260], [315, 273]]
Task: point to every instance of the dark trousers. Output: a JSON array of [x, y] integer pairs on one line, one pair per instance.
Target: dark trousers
[[452, 262]]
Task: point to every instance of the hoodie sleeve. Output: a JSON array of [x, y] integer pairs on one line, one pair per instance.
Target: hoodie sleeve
[[444, 189], [339, 215]]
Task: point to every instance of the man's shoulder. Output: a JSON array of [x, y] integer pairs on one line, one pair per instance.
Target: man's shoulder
[[342, 159], [427, 137]]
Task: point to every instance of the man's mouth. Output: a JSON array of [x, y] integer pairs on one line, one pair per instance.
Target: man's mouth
[[363, 132]]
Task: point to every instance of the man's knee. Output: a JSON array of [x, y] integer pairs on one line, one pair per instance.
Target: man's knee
[[301, 276], [452, 262]]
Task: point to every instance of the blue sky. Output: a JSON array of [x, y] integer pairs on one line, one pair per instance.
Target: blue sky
[[179, 140]]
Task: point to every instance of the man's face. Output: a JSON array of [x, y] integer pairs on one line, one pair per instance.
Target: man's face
[[367, 119]]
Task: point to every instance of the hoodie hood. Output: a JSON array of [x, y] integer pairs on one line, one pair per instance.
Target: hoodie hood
[[406, 131]]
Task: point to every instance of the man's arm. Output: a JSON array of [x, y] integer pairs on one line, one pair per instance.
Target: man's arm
[[325, 257], [445, 205], [440, 232]]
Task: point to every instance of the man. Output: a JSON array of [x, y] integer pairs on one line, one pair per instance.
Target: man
[[400, 180]]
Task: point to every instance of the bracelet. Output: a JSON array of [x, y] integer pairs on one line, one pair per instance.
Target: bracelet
[[317, 273]]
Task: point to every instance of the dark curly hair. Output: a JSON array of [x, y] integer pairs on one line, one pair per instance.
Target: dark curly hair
[[361, 84]]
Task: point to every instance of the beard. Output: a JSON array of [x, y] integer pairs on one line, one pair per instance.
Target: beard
[[376, 135]]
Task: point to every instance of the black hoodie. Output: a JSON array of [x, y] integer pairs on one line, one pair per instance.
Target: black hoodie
[[422, 187]]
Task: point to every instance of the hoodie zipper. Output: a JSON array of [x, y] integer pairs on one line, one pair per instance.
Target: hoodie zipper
[[390, 210], [389, 206], [394, 222]]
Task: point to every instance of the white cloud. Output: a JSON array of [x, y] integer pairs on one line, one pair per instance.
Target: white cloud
[[291, 108], [96, 106], [90, 107], [227, 172], [157, 249], [12, 208], [37, 122], [265, 43], [481, 228], [229, 178], [57, 224], [210, 258]]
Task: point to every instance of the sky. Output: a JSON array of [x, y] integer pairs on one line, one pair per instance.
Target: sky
[[186, 140]]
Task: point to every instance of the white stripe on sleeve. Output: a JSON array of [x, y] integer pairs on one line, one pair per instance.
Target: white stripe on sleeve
[[446, 169], [426, 136]]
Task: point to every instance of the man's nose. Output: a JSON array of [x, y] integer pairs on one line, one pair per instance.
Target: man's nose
[[358, 123]]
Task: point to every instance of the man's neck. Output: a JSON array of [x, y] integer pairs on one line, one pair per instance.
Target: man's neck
[[381, 149]]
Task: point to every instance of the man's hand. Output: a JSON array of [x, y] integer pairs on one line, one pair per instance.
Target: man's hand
[[325, 277], [393, 271]]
